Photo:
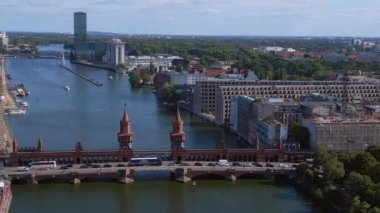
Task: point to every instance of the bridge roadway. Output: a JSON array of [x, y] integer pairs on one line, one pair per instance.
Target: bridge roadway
[[125, 174]]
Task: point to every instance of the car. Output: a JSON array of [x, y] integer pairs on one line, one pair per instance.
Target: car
[[95, 166], [69, 165], [63, 167], [269, 165], [257, 164], [84, 167], [88, 164], [22, 169], [284, 165], [120, 165], [107, 165], [211, 164], [198, 164], [236, 164], [295, 165]]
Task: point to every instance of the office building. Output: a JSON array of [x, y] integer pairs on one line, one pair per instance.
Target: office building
[[80, 28], [116, 52]]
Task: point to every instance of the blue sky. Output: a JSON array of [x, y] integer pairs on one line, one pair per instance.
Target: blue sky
[[198, 17]]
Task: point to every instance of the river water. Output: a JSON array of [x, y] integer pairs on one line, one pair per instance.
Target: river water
[[91, 115]]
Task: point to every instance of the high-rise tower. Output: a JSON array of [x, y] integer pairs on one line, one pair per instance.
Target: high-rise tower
[[80, 29]]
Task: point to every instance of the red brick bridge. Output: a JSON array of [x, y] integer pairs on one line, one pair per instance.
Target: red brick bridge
[[178, 152]]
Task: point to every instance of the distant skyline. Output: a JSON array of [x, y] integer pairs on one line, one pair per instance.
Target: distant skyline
[[198, 17]]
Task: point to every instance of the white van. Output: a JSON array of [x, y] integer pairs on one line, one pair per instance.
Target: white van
[[223, 162]]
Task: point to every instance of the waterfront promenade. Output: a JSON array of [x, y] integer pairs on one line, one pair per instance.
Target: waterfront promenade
[[9, 100], [10, 103]]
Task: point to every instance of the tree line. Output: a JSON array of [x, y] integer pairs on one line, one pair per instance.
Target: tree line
[[346, 182]]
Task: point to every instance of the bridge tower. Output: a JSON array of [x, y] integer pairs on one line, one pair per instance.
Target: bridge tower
[[177, 135], [40, 145], [125, 136]]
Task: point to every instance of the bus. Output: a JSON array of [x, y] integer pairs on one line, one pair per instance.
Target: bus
[[43, 165], [152, 161]]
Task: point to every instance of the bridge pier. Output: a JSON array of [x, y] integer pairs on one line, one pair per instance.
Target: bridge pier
[[126, 176], [180, 175], [231, 177], [75, 180], [33, 179]]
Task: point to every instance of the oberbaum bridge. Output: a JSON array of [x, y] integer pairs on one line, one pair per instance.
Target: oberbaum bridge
[[186, 167]]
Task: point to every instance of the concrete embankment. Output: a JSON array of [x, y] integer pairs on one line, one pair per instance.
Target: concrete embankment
[[93, 65], [96, 83], [10, 102]]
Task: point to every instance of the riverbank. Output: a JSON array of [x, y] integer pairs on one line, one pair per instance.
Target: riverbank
[[10, 102]]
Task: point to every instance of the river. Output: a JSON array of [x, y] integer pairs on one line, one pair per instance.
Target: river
[[91, 115]]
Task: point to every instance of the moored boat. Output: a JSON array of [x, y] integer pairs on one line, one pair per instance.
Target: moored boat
[[15, 111]]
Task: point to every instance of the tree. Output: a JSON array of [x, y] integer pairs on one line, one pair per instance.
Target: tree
[[146, 77], [358, 183], [152, 68], [355, 205], [317, 195], [122, 65], [134, 79], [333, 169], [375, 152], [169, 94], [305, 174]]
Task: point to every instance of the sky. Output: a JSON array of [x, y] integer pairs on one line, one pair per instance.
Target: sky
[[198, 17]]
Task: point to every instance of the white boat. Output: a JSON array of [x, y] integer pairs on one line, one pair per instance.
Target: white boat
[[110, 77], [24, 104], [15, 111], [194, 183], [67, 88]]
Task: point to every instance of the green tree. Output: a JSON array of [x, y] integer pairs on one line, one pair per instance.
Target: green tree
[[359, 207], [152, 68], [317, 195], [358, 183], [375, 152], [169, 94], [134, 79], [122, 65], [146, 77]]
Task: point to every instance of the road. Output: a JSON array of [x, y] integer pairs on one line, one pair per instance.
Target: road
[[166, 166]]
